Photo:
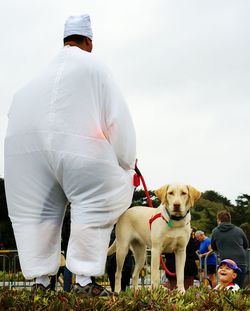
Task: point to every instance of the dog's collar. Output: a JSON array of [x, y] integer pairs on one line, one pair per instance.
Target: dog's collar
[[169, 222], [177, 218]]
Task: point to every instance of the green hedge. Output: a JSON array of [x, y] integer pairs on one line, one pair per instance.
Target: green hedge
[[8, 276], [195, 299]]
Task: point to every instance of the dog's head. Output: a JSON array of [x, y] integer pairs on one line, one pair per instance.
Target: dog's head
[[178, 199]]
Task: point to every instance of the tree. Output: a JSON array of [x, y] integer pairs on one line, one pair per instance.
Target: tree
[[139, 198], [246, 228], [214, 196], [204, 214], [205, 210], [241, 212]]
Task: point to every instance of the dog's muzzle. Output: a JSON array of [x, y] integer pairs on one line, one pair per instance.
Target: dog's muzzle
[[176, 207]]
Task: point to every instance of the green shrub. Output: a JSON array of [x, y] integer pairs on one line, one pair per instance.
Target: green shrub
[[9, 276], [195, 299]]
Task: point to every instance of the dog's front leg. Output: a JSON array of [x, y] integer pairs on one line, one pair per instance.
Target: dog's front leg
[[180, 259], [155, 262]]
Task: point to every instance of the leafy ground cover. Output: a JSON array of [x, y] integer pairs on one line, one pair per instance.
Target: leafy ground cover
[[195, 299]]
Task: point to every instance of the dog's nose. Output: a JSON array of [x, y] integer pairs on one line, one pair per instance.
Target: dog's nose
[[177, 207]]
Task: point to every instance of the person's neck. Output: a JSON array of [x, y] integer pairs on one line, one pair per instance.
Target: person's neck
[[225, 284], [81, 46]]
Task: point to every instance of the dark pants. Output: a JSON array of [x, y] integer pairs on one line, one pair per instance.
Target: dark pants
[[67, 278], [126, 271], [53, 278], [125, 281]]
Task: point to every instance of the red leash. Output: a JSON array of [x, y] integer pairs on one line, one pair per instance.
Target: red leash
[[137, 178]]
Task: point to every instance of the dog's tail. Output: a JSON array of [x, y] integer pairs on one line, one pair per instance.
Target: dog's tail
[[112, 248]]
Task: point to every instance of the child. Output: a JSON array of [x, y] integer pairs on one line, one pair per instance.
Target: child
[[227, 272]]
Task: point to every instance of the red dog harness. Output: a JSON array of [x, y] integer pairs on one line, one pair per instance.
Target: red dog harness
[[153, 218], [169, 222]]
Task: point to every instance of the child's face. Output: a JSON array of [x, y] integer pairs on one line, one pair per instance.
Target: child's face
[[226, 274]]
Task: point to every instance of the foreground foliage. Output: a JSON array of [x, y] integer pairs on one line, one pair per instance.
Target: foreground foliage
[[195, 299]]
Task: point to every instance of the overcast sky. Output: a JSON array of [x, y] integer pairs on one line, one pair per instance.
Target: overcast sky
[[183, 66]]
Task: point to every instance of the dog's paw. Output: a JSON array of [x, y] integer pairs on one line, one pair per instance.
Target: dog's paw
[[181, 290]]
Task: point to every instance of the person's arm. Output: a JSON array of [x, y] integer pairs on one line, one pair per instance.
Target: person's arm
[[213, 243], [209, 249], [245, 240], [120, 131], [208, 252]]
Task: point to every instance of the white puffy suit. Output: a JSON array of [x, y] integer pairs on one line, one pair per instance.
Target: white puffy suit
[[70, 137]]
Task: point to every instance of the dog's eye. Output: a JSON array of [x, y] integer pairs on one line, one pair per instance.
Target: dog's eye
[[171, 193], [183, 193]]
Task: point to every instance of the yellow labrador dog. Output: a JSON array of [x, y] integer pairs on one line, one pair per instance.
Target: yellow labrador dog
[[163, 229]]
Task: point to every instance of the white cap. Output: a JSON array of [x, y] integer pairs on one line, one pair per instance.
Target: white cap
[[78, 25], [199, 232]]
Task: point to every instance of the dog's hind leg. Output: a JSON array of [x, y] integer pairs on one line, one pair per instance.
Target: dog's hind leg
[[112, 248], [139, 251], [121, 253]]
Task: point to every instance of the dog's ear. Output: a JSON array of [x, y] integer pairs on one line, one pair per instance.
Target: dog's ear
[[161, 194], [193, 194]]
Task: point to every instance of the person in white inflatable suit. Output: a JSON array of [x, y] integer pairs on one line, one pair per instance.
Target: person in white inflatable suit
[[70, 137]]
